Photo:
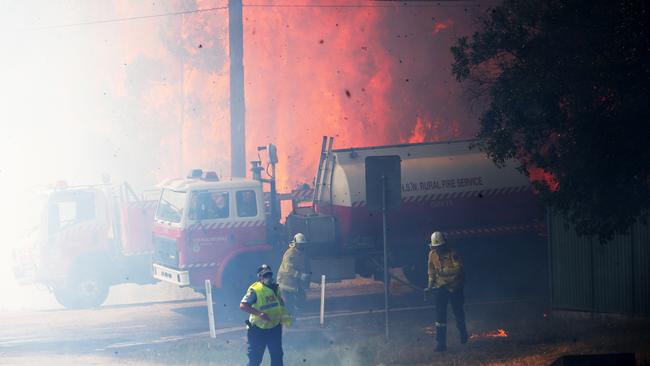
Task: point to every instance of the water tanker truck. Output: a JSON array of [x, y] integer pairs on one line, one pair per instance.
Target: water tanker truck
[[210, 228]]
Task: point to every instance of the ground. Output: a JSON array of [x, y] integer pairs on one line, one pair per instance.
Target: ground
[[360, 341], [175, 333]]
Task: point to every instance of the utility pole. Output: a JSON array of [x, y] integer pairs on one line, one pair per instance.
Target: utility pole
[[237, 101], [182, 108]]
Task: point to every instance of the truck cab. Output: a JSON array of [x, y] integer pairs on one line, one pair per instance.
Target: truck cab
[[90, 238], [210, 229]]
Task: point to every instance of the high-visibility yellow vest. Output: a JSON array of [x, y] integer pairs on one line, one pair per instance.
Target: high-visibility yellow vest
[[270, 303]]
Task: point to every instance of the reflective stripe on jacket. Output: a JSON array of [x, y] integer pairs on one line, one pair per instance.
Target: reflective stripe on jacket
[[445, 269], [294, 265], [269, 302]]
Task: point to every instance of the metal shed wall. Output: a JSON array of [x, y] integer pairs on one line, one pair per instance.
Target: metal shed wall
[[642, 268], [586, 275]]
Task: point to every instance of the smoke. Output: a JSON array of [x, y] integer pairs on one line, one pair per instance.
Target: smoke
[[145, 99]]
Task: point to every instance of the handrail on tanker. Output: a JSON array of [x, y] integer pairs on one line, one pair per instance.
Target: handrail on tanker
[[317, 179], [326, 170]]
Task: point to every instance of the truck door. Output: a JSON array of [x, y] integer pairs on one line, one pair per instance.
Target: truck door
[[76, 224], [250, 218], [209, 215], [70, 210]]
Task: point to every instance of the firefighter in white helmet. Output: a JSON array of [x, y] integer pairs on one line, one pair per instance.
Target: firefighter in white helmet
[[446, 280], [294, 274]]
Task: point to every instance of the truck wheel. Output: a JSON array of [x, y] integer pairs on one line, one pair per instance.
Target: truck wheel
[[239, 274], [82, 294], [416, 274]]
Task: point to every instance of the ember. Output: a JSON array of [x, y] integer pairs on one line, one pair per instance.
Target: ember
[[499, 333], [343, 74], [492, 334]]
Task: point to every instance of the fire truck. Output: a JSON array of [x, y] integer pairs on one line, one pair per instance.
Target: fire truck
[[210, 228], [90, 238]]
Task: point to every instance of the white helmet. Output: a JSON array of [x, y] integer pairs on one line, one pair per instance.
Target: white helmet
[[299, 238], [437, 239]]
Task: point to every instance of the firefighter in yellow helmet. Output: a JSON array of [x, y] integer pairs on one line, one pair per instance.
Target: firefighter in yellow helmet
[[446, 281], [265, 305], [294, 274]]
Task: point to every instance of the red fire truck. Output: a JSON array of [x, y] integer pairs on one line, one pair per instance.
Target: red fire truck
[[90, 238], [207, 228]]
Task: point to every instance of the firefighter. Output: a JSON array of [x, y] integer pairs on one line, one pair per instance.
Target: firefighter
[[219, 206], [294, 274], [268, 314], [446, 281]]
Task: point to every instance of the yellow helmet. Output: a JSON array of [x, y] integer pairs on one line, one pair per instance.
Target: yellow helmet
[[437, 239]]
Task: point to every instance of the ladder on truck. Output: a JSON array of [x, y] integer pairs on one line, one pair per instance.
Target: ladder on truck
[[324, 172]]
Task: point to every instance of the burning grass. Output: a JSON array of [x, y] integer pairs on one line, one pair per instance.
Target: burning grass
[[499, 333], [519, 339]]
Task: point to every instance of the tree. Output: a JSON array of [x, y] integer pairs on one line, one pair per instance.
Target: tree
[[564, 85]]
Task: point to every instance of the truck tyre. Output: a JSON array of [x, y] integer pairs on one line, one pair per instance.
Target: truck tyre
[[83, 293], [88, 281], [237, 276]]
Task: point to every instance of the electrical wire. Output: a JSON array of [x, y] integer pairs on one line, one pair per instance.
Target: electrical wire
[[118, 20], [398, 4]]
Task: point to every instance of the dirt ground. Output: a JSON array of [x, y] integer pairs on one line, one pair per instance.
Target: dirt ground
[[532, 339], [503, 333]]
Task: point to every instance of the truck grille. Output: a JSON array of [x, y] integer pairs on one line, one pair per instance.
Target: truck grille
[[166, 252]]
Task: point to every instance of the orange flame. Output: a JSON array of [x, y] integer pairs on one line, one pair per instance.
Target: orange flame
[[541, 175], [367, 76], [499, 333], [440, 26]]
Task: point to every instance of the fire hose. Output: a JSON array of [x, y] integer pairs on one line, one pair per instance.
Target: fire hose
[[401, 281]]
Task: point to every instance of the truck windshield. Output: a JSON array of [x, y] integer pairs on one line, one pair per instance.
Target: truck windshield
[[209, 205], [171, 206]]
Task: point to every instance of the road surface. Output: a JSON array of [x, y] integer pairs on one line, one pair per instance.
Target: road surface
[[32, 336], [95, 336]]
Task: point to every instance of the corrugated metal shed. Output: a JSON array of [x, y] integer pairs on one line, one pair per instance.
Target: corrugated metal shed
[[570, 266], [587, 275], [642, 269]]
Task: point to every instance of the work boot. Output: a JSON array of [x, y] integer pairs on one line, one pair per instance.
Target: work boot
[[462, 331], [463, 337], [441, 338]]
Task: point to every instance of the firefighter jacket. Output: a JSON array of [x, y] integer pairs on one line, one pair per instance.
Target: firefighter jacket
[[269, 301], [445, 270], [294, 271]]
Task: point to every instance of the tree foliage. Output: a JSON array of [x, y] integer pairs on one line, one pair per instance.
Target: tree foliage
[[564, 85]]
